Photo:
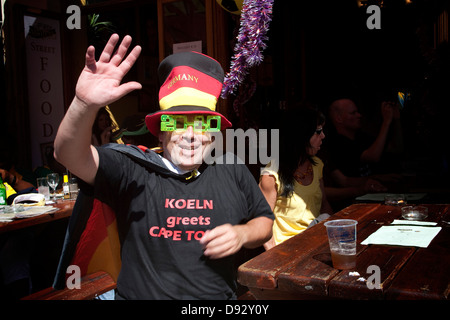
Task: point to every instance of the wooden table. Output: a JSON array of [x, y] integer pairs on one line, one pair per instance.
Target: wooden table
[[65, 210], [301, 267]]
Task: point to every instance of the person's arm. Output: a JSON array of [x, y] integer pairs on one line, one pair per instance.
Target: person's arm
[[369, 184], [16, 184], [374, 152], [351, 187], [226, 239], [343, 193], [348, 188], [269, 189], [99, 84]]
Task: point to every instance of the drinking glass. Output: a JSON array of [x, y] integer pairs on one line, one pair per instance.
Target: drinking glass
[[342, 239], [53, 181], [42, 184]]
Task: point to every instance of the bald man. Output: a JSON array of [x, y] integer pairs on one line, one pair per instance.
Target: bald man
[[346, 119], [349, 154]]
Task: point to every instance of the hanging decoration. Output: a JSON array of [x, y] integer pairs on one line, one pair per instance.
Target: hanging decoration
[[256, 16]]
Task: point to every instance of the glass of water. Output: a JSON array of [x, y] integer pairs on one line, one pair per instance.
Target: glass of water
[[43, 187], [53, 181]]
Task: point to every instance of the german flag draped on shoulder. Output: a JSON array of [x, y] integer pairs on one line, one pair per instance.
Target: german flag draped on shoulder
[[92, 241]]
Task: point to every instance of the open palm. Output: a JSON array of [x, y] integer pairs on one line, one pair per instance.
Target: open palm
[[100, 81]]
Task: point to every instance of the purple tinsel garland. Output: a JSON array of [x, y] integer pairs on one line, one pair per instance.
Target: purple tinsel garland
[[255, 19]]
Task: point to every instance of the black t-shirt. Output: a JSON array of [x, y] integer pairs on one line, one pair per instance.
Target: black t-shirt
[[161, 218], [345, 154]]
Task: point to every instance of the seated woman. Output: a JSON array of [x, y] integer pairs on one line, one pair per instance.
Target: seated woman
[[293, 186], [18, 185]]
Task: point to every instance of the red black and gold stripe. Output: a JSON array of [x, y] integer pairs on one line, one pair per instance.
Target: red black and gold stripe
[[191, 84]]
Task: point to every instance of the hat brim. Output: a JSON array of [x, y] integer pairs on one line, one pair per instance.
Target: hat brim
[[153, 120]]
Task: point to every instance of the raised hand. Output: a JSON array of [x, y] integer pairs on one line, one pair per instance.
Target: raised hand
[[388, 111], [99, 83]]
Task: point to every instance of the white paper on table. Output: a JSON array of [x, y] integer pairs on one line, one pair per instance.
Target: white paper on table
[[6, 217], [33, 211], [414, 222], [403, 235]]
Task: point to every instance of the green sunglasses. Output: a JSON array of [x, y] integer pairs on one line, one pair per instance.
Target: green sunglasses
[[176, 122]]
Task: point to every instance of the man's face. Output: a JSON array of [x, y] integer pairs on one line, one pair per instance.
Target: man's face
[[349, 116], [186, 148]]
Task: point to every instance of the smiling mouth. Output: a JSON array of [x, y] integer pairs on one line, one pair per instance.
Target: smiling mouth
[[189, 148]]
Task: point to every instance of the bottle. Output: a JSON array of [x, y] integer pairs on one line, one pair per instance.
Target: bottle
[[9, 190], [66, 190], [73, 188], [2, 193]]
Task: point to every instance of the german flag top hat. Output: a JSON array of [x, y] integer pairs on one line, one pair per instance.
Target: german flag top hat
[[191, 84]]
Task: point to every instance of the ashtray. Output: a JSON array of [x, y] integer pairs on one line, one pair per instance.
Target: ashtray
[[414, 212], [394, 199]]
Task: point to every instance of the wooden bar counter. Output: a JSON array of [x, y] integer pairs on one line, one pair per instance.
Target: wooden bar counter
[[65, 208], [301, 267]]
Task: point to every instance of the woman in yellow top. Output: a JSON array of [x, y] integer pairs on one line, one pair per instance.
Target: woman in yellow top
[[293, 186]]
